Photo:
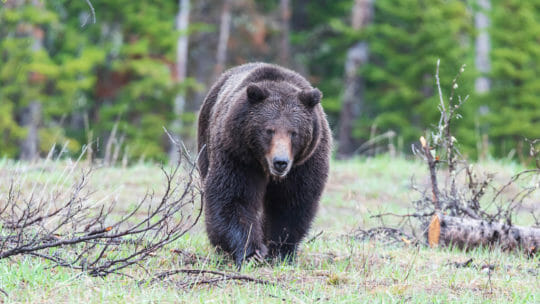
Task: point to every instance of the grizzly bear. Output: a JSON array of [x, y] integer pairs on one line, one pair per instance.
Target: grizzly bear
[[264, 149]]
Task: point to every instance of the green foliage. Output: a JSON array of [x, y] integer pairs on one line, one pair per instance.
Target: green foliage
[[10, 132], [135, 52], [117, 69], [406, 39], [27, 72], [513, 103], [322, 47]]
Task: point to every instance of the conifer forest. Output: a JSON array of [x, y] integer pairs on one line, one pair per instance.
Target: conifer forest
[[78, 74]]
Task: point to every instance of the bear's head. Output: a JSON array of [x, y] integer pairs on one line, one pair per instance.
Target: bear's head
[[283, 124]]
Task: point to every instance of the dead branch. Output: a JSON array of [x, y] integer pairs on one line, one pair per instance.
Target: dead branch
[[218, 276], [313, 238], [465, 211], [372, 143], [433, 173], [464, 264], [67, 229], [4, 292], [396, 235], [417, 215]]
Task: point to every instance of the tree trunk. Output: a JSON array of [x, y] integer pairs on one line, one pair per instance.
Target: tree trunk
[[224, 30], [482, 62], [468, 233], [182, 22], [202, 46], [353, 97], [31, 115], [285, 48], [31, 119]]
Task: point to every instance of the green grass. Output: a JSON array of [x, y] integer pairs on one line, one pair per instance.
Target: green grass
[[333, 268]]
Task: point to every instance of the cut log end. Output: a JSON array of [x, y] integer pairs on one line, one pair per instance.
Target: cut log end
[[434, 231]]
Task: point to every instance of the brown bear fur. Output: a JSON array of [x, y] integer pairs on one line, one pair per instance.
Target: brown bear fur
[[264, 145]]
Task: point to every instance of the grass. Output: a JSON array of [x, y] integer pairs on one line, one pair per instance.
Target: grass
[[333, 268]]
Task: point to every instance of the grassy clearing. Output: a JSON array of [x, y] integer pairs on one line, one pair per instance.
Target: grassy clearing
[[334, 267]]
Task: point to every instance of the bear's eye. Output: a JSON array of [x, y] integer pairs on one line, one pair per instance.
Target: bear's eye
[[269, 131], [293, 134]]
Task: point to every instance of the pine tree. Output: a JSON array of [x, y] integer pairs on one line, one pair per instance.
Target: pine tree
[[406, 40], [30, 79], [119, 69], [513, 104]]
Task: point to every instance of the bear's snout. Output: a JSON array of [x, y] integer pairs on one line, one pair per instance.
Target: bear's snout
[[281, 163], [279, 158]]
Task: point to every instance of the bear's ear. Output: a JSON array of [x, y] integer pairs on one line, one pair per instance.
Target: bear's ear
[[256, 94], [310, 97]]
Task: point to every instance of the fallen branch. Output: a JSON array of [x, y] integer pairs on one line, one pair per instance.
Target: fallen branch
[[222, 276], [4, 292], [467, 263], [312, 239], [470, 233], [395, 234]]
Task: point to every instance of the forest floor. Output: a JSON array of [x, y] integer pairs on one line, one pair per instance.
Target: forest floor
[[333, 266]]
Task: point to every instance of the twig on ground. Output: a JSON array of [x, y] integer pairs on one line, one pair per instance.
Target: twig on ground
[[418, 215], [4, 292], [315, 237], [222, 276], [397, 235], [467, 263]]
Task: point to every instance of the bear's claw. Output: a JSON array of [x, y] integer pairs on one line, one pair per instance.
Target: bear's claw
[[258, 255]]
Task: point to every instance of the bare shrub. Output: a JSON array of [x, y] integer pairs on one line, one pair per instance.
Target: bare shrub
[[59, 220]]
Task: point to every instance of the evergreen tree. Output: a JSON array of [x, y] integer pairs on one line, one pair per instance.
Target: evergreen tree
[[30, 74], [513, 104], [406, 40], [321, 37], [85, 77], [119, 69], [135, 79]]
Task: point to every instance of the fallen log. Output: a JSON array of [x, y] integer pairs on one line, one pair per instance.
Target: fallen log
[[467, 233]]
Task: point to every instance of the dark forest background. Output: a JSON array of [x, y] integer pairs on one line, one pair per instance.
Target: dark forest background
[[112, 84]]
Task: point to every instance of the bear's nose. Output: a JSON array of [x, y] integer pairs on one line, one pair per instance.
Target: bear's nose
[[280, 163]]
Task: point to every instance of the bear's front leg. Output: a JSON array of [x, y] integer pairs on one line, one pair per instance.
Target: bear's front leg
[[233, 205], [291, 204]]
